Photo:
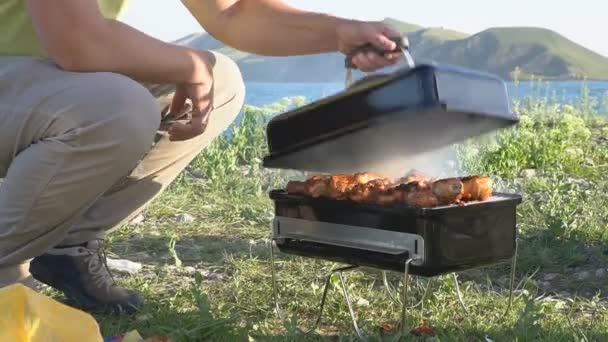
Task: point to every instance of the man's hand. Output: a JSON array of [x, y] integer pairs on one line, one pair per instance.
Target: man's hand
[[200, 95], [354, 34]]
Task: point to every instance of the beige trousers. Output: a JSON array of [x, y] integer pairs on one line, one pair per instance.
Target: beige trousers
[[81, 153]]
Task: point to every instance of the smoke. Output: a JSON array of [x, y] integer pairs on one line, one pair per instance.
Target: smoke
[[394, 150], [436, 163]]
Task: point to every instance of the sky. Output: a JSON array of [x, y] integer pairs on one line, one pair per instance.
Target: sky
[[583, 21]]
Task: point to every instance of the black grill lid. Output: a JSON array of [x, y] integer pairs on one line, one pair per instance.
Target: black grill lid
[[383, 118]]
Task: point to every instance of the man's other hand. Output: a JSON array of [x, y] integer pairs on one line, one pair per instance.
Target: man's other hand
[[354, 34], [200, 96]]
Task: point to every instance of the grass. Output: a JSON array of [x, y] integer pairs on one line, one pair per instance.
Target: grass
[[209, 280]]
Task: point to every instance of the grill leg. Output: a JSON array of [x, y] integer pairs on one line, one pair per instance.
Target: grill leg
[[511, 282], [351, 312], [276, 296], [350, 307], [511, 286], [387, 286], [459, 293], [406, 280]]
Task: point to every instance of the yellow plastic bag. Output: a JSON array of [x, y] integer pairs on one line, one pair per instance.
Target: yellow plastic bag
[[28, 316]]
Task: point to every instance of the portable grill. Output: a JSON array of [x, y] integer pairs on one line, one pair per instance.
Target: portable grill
[[382, 117]]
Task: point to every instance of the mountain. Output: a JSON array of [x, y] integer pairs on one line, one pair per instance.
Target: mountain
[[509, 52], [533, 51]]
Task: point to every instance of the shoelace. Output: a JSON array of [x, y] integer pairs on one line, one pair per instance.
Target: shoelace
[[98, 268]]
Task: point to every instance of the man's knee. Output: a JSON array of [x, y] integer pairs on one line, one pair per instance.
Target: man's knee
[[118, 111], [229, 86]]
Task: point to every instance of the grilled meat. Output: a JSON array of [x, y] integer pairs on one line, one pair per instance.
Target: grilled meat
[[448, 190], [418, 194], [415, 189], [315, 186], [297, 187], [476, 188], [368, 192], [342, 183], [366, 177], [336, 186], [389, 196]]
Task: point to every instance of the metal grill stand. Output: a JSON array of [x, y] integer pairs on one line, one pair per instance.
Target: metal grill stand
[[404, 292]]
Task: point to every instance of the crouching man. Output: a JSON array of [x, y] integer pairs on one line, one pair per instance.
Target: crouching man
[[91, 124]]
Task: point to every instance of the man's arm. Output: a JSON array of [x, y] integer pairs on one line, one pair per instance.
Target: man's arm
[[271, 27], [78, 38]]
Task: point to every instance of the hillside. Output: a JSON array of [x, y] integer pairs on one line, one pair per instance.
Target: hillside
[[534, 50], [531, 51]]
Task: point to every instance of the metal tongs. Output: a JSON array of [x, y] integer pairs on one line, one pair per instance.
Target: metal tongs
[[403, 45]]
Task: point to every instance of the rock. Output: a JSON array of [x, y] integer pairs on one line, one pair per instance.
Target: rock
[[574, 151], [209, 275], [184, 218], [362, 302], [583, 275], [138, 220], [140, 256], [142, 318], [259, 242], [124, 266], [198, 173], [189, 270], [245, 170], [527, 173], [540, 196], [600, 273], [580, 182], [550, 276]]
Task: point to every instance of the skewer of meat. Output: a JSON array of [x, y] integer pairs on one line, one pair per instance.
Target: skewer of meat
[[368, 192], [476, 188], [418, 191], [427, 194], [336, 186]]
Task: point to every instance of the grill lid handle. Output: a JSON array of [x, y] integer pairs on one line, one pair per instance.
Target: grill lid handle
[[403, 45]]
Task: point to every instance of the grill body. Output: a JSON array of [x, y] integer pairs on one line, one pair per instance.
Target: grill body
[[442, 239]]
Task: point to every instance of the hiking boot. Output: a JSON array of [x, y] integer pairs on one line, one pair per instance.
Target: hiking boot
[[81, 273]]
